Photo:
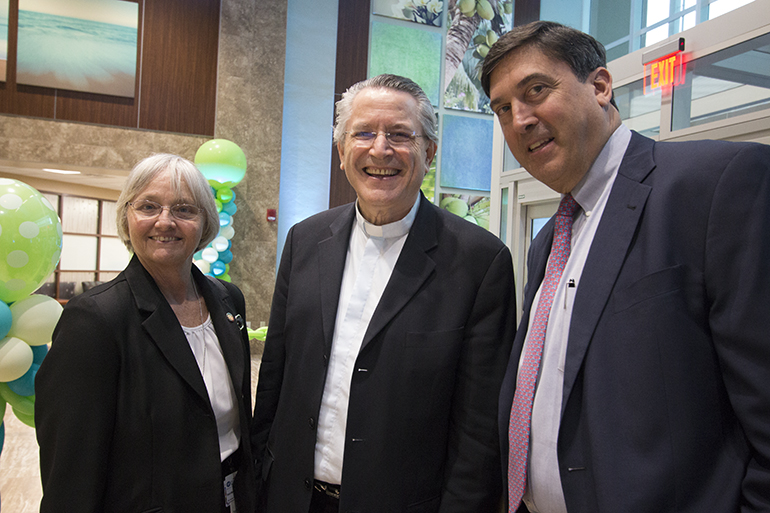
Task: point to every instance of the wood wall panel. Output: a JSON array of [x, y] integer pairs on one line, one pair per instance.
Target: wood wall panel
[[352, 66], [176, 75], [179, 66]]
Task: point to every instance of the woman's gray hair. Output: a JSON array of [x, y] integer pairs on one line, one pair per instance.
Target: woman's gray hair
[[183, 173], [426, 114]]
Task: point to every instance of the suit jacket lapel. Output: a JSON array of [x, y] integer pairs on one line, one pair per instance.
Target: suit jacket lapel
[[162, 326], [608, 252], [332, 253], [413, 267]]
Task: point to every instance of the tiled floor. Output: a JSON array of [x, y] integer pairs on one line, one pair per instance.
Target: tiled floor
[[20, 489]]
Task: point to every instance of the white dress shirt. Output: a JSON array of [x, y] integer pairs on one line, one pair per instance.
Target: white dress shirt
[[544, 493], [372, 255], [211, 362]]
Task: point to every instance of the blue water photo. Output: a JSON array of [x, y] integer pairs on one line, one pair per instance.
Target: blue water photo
[[3, 38], [76, 54]]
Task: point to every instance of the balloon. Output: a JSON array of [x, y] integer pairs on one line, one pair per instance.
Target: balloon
[[2, 434], [222, 162], [225, 277], [224, 219], [229, 208], [30, 239], [218, 205], [2, 408], [204, 266], [210, 255], [39, 353], [198, 255], [6, 319], [25, 385], [227, 232], [226, 256], [15, 358], [225, 195], [34, 319], [218, 268], [220, 244], [28, 419], [25, 405]]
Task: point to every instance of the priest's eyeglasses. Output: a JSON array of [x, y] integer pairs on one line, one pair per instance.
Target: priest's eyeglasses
[[394, 138], [150, 209]]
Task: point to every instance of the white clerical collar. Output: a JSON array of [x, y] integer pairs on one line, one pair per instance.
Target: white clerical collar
[[391, 230]]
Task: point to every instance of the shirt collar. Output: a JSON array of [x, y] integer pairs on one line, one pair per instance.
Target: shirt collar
[[391, 230], [603, 171]]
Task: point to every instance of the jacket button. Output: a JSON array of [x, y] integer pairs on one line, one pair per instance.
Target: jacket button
[[307, 484], [311, 423]]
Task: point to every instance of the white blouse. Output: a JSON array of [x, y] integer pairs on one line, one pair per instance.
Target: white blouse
[[208, 353]]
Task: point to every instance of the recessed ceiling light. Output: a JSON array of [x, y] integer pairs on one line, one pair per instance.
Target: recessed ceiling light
[[61, 171]]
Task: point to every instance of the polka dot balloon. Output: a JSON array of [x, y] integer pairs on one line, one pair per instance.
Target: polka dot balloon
[[30, 239]]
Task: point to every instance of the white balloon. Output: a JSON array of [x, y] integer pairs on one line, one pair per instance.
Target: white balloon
[[34, 319], [220, 244], [204, 266], [15, 358], [227, 232], [210, 255]]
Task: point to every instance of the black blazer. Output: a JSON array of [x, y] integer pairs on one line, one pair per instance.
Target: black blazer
[[666, 404], [421, 429], [123, 418]]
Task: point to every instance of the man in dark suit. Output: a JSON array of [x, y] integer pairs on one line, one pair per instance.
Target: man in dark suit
[[389, 334], [651, 392]]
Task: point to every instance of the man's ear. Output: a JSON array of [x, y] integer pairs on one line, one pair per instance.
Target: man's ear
[[341, 152], [602, 82], [430, 153]]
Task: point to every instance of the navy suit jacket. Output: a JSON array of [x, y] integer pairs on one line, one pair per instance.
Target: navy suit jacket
[[422, 423], [666, 402], [124, 420]]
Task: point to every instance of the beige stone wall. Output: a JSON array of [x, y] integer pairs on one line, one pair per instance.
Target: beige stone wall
[[249, 112]]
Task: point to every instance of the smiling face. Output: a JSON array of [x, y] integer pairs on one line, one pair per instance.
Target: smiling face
[[554, 124], [164, 243], [386, 178]]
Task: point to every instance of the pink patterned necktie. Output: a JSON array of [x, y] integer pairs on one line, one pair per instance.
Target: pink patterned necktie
[[521, 411]]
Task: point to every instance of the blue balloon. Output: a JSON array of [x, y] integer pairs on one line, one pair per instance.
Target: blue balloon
[[224, 219], [2, 435], [198, 255], [25, 385], [218, 268], [6, 319], [229, 207], [226, 256], [38, 353]]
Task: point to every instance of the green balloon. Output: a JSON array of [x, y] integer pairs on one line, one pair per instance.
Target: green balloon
[[30, 239], [222, 162], [22, 404], [26, 418], [224, 195]]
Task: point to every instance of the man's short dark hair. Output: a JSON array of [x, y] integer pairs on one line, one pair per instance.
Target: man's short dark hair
[[580, 51]]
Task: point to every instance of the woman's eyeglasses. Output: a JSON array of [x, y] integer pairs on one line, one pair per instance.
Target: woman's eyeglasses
[[181, 211]]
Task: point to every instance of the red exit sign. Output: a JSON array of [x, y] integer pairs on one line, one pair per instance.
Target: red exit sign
[[664, 67], [667, 72]]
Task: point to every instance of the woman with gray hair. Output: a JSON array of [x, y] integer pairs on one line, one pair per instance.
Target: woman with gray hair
[[144, 400]]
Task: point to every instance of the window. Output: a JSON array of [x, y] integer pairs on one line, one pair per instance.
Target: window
[[624, 26], [91, 250], [724, 84]]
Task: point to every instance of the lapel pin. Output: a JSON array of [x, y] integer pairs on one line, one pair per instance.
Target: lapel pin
[[230, 317]]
